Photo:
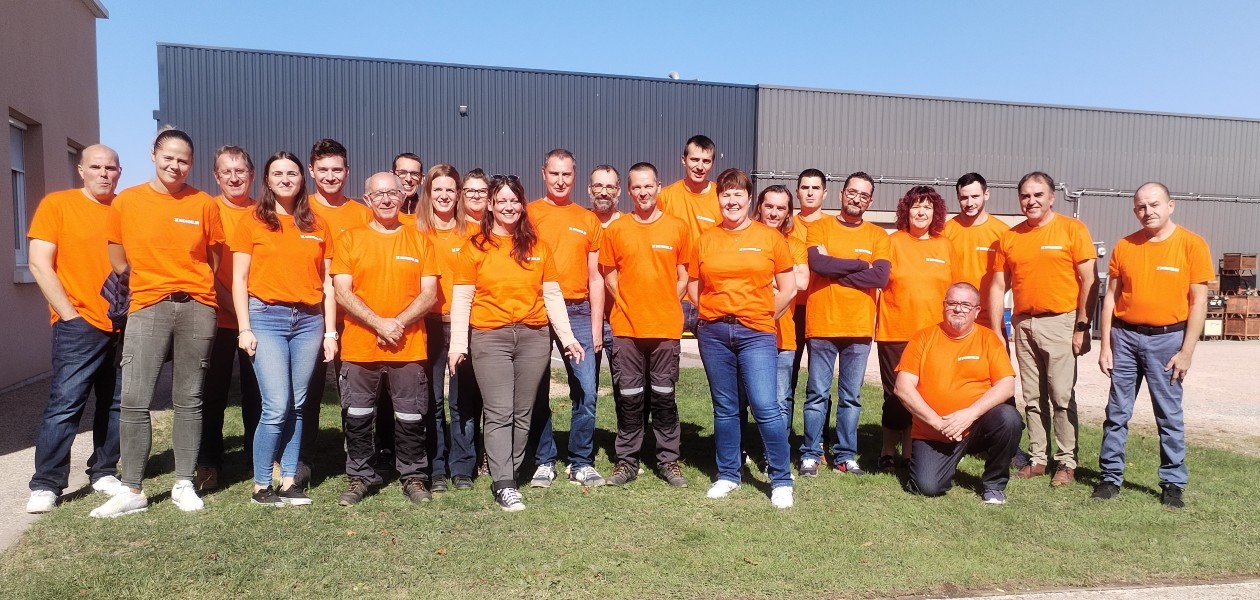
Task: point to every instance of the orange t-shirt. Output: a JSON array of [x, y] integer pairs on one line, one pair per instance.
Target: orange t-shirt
[[507, 292], [347, 216], [231, 216], [646, 257], [699, 211], [785, 327], [446, 245], [916, 286], [1155, 277], [385, 271], [286, 265], [1042, 263], [953, 374], [735, 269], [168, 240], [973, 250], [834, 310], [74, 223], [571, 233], [800, 231]]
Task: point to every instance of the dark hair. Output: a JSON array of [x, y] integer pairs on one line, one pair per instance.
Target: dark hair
[[477, 173], [700, 141], [170, 133], [424, 208], [643, 166], [734, 179], [812, 173], [394, 165], [524, 237], [917, 194], [559, 153], [234, 151], [786, 226], [858, 175], [609, 169], [265, 210], [969, 179], [1046, 179], [325, 148]]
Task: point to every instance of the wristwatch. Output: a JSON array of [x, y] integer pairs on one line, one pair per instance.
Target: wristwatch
[[1083, 326], [332, 335]]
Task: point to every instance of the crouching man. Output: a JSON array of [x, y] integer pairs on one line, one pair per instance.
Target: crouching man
[[955, 378]]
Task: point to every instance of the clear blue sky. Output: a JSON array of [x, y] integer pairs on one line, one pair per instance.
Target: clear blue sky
[[1166, 56]]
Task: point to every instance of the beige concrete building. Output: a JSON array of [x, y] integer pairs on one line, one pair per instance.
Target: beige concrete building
[[49, 94]]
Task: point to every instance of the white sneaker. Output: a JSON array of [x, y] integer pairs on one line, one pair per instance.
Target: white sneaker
[[108, 485], [543, 476], [41, 501], [124, 502], [781, 497], [184, 495], [721, 488]]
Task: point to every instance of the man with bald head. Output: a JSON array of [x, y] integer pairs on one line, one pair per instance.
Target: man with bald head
[[385, 277], [1151, 318], [69, 262]]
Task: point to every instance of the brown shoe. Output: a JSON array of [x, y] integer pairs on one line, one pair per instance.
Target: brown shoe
[[1029, 471], [1064, 476], [206, 479]]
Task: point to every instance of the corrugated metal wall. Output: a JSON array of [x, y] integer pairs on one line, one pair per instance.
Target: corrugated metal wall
[[266, 101], [894, 136]]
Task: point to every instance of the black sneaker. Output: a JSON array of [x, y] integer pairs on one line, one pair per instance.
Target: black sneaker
[[354, 495], [439, 484], [1171, 497], [622, 474], [413, 489], [266, 497], [887, 463], [294, 496], [672, 474], [1105, 491], [509, 499], [462, 482]]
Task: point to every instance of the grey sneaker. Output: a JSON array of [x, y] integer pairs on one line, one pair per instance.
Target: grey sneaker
[[851, 467], [586, 476], [994, 497], [809, 467], [623, 473], [543, 476], [672, 474]]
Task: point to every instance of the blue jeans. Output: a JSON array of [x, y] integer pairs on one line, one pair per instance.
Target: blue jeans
[[583, 385], [83, 361], [451, 450], [290, 342], [599, 359], [823, 355], [783, 386], [735, 356], [1136, 356]]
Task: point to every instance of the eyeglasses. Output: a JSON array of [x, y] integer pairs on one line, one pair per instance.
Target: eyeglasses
[[854, 195], [508, 178], [405, 174], [226, 173], [476, 193], [963, 306], [603, 188], [378, 196]]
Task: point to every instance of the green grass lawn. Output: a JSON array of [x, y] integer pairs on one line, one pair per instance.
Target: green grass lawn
[[846, 537]]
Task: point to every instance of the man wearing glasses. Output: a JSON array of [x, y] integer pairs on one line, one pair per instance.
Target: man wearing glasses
[[605, 190], [573, 234], [410, 171], [851, 258], [1049, 262], [954, 378]]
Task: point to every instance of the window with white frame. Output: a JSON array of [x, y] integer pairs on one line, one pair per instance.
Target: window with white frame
[[17, 167]]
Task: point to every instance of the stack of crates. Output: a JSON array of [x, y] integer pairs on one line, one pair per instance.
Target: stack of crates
[[1242, 305]]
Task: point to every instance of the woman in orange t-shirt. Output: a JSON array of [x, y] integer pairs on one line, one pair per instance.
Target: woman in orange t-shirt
[[287, 314], [729, 271], [507, 288], [911, 301]]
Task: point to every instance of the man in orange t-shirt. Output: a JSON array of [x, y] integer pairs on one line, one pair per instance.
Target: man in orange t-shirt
[[954, 378], [573, 234], [68, 260], [693, 200], [973, 236], [234, 172], [1151, 318], [850, 258], [644, 262], [410, 171], [385, 276], [1049, 261]]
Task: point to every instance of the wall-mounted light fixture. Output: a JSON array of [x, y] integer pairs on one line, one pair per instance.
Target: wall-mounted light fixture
[[463, 110]]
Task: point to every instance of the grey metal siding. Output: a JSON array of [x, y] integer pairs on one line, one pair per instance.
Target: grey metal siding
[[266, 101]]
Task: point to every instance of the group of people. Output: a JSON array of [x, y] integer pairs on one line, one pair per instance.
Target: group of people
[[439, 297]]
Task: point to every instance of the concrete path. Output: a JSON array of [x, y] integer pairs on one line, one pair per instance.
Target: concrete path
[[1248, 590]]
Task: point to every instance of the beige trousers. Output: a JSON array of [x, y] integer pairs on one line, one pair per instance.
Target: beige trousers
[[1047, 373]]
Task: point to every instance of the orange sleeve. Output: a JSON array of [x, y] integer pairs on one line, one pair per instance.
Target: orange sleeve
[[429, 268], [1200, 259], [341, 263], [113, 224], [466, 264]]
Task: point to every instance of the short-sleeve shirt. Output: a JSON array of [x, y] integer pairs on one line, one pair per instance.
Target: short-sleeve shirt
[[385, 270], [800, 231], [1042, 262], [168, 239], [735, 269], [1155, 277], [75, 223], [953, 373], [231, 215], [349, 215], [447, 244], [833, 309], [974, 249], [571, 233], [916, 286], [785, 327], [506, 291], [646, 257], [286, 265], [699, 211]]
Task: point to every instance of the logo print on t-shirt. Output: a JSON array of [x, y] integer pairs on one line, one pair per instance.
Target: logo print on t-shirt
[[935, 260], [311, 237], [662, 247], [577, 230], [187, 221], [1167, 268], [408, 258], [1052, 247], [968, 357]]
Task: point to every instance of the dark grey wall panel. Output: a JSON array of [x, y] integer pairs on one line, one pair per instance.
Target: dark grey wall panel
[[266, 101]]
